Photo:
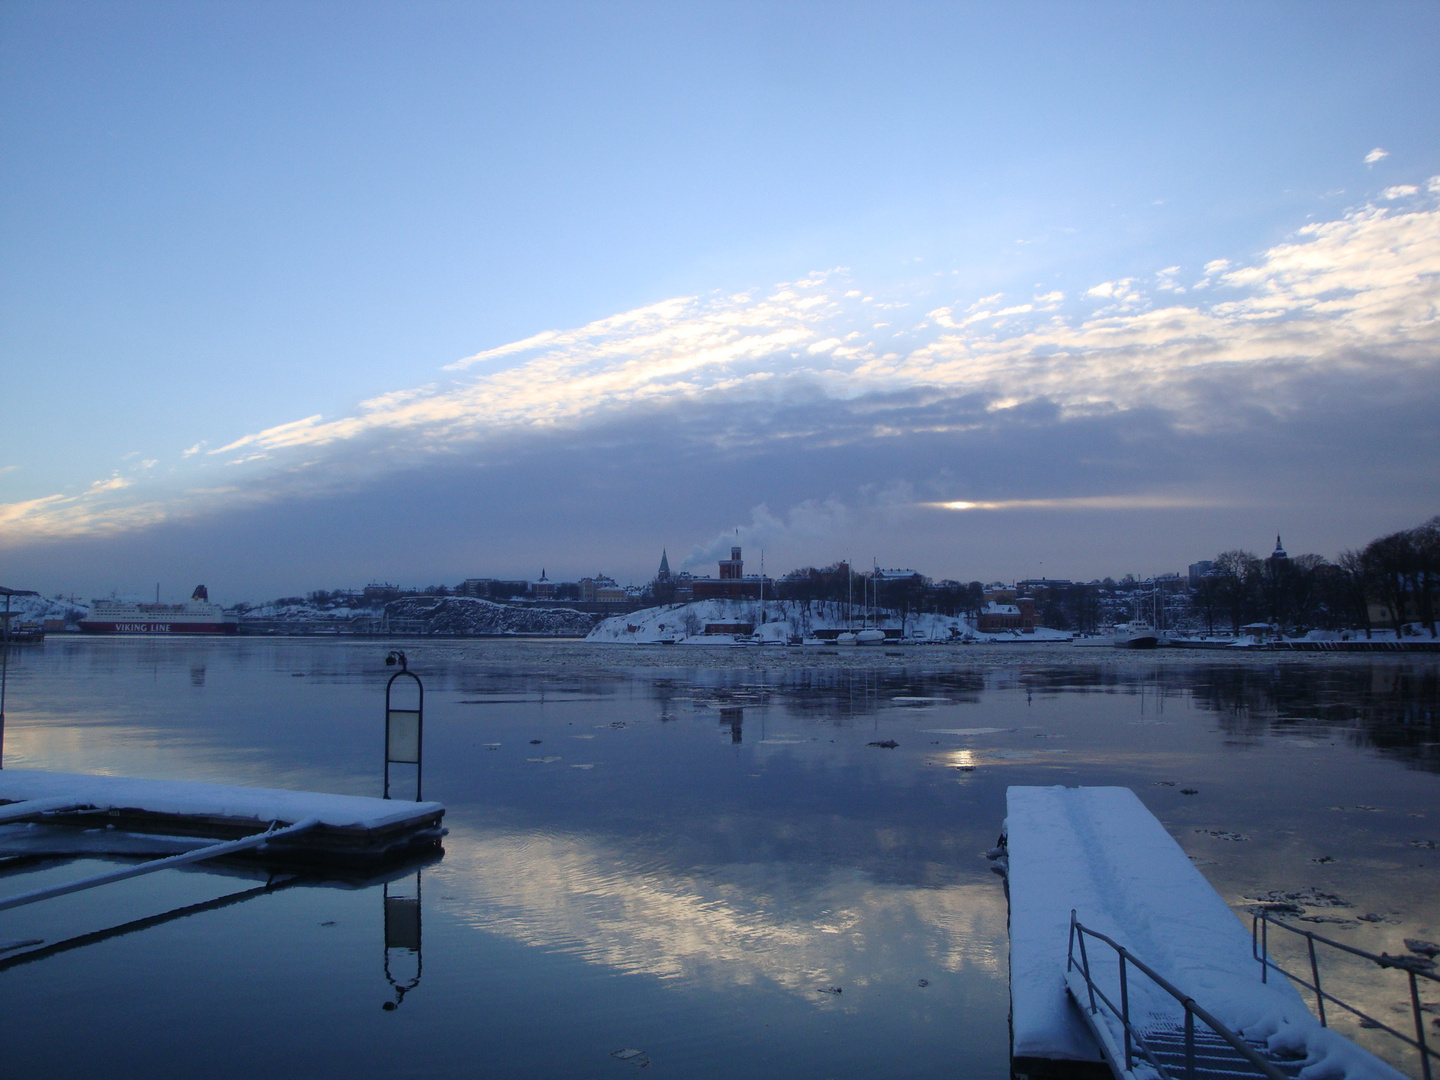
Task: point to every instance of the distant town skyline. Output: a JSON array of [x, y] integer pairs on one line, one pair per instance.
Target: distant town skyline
[[730, 563], [298, 296]]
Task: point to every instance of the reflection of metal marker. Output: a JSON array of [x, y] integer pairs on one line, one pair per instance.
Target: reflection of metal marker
[[402, 933]]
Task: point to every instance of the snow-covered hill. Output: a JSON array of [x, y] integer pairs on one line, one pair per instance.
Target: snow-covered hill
[[37, 609]]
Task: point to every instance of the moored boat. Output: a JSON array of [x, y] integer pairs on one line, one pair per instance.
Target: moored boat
[[197, 616], [1123, 636]]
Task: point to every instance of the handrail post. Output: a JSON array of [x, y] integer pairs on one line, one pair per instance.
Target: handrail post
[[1419, 1028], [1070, 945], [1265, 947], [1189, 1042], [1192, 1010], [1125, 1011], [1315, 974], [1085, 969]]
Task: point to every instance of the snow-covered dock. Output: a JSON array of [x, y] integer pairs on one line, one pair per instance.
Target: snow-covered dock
[[345, 828], [1100, 853]]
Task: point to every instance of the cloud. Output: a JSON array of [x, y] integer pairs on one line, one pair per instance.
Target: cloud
[[803, 525], [1376, 155], [1090, 502], [295, 433], [1353, 301], [1399, 191], [1165, 280]]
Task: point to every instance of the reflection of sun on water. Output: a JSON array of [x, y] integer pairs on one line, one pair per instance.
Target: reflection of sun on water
[[960, 759]]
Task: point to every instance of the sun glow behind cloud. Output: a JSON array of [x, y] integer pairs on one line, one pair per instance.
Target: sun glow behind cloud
[[1358, 296], [1084, 502]]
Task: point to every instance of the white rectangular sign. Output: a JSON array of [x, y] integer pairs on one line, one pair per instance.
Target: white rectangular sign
[[402, 736]]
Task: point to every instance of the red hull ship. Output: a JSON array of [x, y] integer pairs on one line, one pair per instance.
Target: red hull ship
[[198, 616]]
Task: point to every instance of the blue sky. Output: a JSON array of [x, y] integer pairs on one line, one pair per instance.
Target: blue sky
[[1139, 281]]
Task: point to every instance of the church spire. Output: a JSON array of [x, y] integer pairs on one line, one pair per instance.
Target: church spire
[[664, 574]]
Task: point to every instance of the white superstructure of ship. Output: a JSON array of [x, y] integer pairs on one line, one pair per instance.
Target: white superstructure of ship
[[197, 616]]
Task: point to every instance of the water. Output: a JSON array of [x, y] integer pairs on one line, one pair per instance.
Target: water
[[701, 849]]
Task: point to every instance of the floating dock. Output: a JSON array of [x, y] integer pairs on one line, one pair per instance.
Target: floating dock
[[1099, 853], [154, 816]]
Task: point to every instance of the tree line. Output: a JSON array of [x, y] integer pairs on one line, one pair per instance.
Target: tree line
[[1395, 577], [1398, 574], [1392, 581]]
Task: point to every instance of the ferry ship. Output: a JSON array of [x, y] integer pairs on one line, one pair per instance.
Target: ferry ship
[[197, 616]]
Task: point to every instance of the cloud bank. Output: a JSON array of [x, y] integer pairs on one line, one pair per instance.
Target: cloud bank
[[1349, 306]]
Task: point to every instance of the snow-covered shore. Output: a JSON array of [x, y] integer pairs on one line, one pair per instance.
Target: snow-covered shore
[[38, 609], [782, 621]]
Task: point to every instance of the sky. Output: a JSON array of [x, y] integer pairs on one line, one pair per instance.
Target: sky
[[304, 295]]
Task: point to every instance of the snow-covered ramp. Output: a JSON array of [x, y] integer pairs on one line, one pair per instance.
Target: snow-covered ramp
[[1099, 852]]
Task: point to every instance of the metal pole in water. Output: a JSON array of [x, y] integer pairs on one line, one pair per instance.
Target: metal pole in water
[[198, 855], [404, 728]]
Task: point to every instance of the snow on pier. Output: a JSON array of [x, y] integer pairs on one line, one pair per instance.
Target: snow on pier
[[350, 827], [1100, 852]]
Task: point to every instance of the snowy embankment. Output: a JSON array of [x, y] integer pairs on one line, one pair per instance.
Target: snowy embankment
[[784, 620], [38, 609], [1099, 852], [466, 615]]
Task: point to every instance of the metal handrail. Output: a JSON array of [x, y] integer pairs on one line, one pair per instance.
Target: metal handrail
[[1260, 949], [1078, 933]]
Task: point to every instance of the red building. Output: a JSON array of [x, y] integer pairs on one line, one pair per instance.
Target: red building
[[1017, 616], [732, 583]]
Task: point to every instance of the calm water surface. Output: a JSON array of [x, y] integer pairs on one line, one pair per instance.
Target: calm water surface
[[692, 853]]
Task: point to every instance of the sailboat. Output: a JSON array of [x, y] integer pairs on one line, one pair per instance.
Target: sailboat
[[871, 635]]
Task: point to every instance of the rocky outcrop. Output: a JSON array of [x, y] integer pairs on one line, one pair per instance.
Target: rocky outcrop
[[462, 615]]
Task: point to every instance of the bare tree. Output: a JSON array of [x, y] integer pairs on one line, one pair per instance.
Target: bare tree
[[1207, 597], [1357, 586], [1427, 550], [1391, 567], [1237, 574]]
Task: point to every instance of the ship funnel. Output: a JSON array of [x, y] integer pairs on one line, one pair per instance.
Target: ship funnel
[[200, 593]]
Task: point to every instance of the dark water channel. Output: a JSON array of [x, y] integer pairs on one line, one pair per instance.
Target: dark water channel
[[691, 853]]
